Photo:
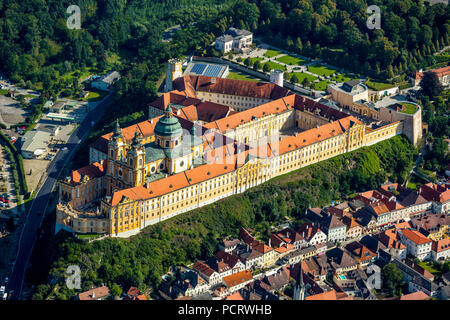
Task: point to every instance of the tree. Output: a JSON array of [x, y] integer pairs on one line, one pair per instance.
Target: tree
[[392, 279], [306, 82], [115, 290], [247, 62], [430, 85], [208, 246], [294, 78], [257, 65], [266, 67]]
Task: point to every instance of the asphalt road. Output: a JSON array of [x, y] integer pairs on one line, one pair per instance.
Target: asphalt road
[[35, 216]]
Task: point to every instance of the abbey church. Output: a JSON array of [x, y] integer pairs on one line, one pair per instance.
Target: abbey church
[[205, 139]]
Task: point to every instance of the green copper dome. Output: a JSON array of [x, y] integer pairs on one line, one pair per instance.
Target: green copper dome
[[168, 126]]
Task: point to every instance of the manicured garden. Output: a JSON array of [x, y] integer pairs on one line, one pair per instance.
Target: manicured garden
[[321, 70], [252, 60], [377, 86], [343, 78], [301, 76], [410, 108], [240, 76], [272, 53], [292, 61], [322, 85], [274, 65]]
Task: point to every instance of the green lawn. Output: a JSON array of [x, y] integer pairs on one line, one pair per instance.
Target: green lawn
[[410, 108], [89, 236], [274, 65], [343, 78], [240, 76], [3, 92], [378, 86], [301, 76], [321, 70], [95, 96], [252, 60], [272, 53], [291, 60], [81, 75], [322, 85], [429, 267]]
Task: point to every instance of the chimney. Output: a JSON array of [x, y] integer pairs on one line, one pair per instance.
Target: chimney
[[270, 242], [151, 120], [213, 80], [93, 295]]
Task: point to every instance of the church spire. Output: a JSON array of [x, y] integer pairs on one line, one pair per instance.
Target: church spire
[[299, 290]]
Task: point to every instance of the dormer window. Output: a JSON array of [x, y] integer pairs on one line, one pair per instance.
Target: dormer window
[[131, 162], [112, 153]]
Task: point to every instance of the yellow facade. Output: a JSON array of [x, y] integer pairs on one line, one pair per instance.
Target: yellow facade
[[130, 216]]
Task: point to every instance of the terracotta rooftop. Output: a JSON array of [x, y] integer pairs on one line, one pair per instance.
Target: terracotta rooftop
[[329, 295], [237, 278], [240, 118], [94, 294], [203, 268], [262, 248], [315, 135], [435, 192], [441, 245], [415, 236], [95, 170], [178, 181], [391, 239], [418, 295], [379, 208], [244, 88]]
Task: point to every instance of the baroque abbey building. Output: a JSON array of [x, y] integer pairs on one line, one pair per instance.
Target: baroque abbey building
[[205, 140]]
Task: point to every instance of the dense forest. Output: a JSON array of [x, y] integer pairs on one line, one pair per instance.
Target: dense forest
[[37, 46], [37, 49], [142, 259]]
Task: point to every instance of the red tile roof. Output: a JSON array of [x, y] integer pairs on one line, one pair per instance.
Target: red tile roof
[[435, 192], [203, 268], [418, 295], [262, 248], [391, 239], [441, 245], [415, 236], [95, 294], [237, 278], [330, 295], [95, 170], [244, 88]]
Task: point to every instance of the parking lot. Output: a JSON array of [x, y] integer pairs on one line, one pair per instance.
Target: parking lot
[[8, 201], [10, 111]]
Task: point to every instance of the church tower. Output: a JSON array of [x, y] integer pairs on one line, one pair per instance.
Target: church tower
[[174, 71], [116, 153], [136, 160], [299, 290]]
